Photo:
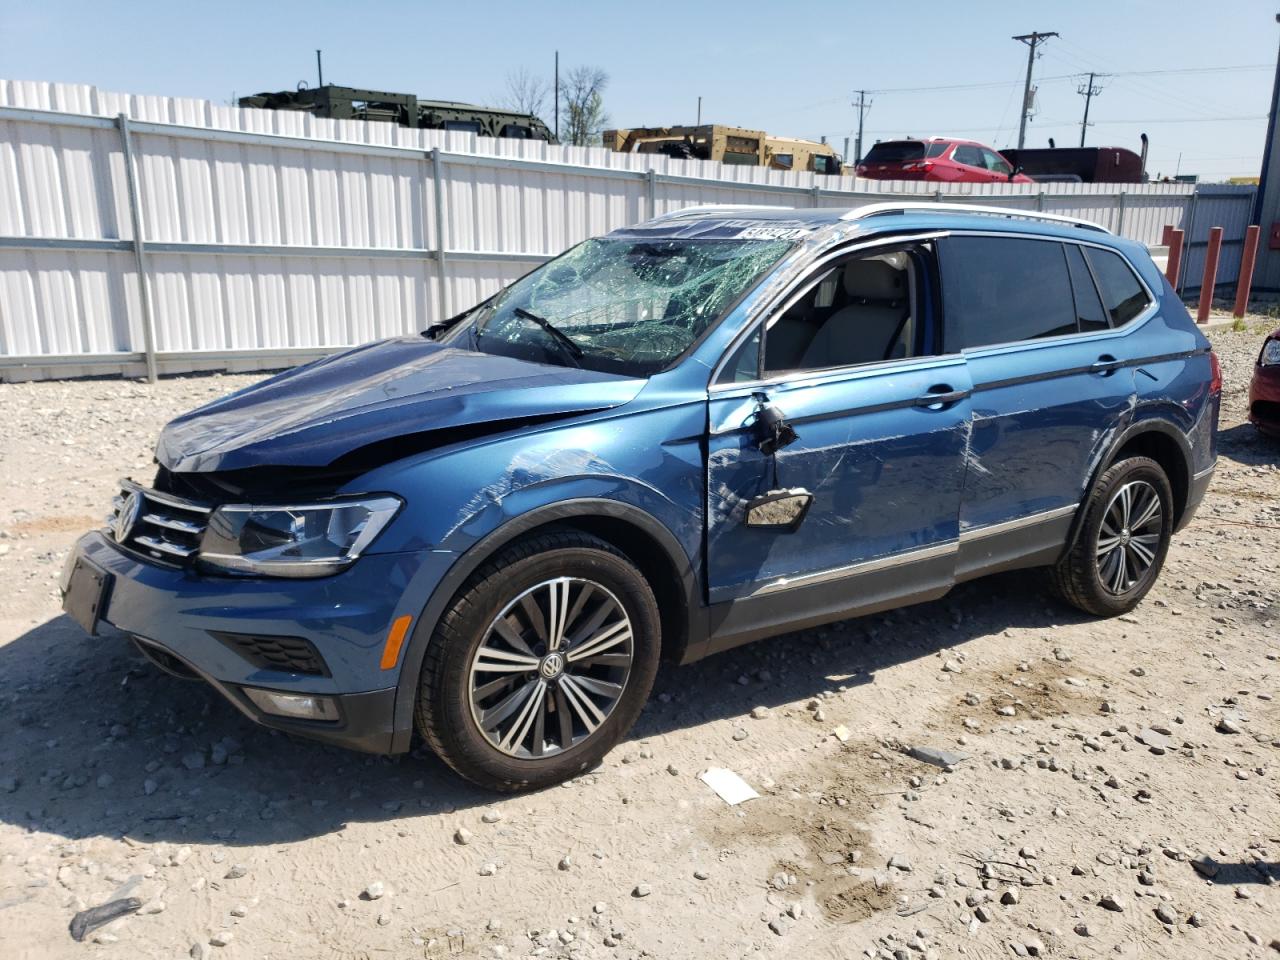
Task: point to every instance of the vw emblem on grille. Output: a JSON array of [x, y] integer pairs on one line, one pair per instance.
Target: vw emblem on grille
[[552, 665], [122, 523]]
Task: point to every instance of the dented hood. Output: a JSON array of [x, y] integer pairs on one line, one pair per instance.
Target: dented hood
[[313, 415]]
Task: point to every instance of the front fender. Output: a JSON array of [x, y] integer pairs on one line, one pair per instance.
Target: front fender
[[464, 563]]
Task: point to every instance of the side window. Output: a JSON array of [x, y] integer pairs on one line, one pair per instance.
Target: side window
[[862, 310], [1003, 289], [1122, 294], [996, 163], [936, 150], [1089, 312], [969, 156]]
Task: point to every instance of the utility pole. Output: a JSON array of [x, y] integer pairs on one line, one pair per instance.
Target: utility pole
[[699, 123], [557, 85], [863, 105], [319, 69], [1088, 91], [1032, 40]]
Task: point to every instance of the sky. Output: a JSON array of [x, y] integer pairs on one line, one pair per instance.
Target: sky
[[1195, 77]]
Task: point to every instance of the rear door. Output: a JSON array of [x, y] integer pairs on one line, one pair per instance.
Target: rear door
[[1050, 389]]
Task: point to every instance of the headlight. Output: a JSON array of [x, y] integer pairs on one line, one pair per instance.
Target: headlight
[[1270, 353], [306, 540]]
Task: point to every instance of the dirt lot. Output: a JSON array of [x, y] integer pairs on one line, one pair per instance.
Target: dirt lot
[[1101, 759]]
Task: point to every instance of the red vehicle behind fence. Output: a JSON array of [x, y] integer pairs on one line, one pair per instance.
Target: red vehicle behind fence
[[938, 158]]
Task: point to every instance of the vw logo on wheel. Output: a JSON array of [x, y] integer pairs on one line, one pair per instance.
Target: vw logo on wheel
[[122, 523], [552, 665]]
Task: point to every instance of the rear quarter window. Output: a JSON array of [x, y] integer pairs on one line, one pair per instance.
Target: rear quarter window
[[1122, 294], [1003, 289]]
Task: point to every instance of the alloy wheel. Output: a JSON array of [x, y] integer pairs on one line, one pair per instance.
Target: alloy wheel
[[551, 668], [1129, 537]]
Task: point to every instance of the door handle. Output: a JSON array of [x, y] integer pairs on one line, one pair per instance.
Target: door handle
[[941, 396], [1105, 364]]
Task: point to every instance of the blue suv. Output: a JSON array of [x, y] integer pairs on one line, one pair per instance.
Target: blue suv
[[718, 425]]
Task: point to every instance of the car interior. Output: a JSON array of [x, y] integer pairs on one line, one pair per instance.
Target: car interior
[[859, 311]]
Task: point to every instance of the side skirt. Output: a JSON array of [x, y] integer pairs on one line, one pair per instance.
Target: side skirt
[[1034, 541]]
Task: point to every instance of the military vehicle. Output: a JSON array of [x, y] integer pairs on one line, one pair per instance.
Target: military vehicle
[[350, 103], [753, 148]]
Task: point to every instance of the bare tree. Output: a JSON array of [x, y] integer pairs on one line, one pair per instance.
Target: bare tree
[[582, 92], [526, 92]]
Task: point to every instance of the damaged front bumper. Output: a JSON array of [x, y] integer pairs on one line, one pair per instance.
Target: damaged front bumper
[[321, 643]]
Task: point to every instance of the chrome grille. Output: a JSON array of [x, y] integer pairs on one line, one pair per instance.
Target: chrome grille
[[159, 525]]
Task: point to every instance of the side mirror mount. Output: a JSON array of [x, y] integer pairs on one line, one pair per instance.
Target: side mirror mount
[[771, 428], [1014, 172], [780, 510]]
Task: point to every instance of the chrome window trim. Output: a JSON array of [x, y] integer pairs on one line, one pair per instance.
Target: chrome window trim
[[761, 313], [1152, 308], [942, 549]]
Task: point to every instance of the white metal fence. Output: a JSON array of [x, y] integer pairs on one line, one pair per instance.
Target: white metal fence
[[143, 234]]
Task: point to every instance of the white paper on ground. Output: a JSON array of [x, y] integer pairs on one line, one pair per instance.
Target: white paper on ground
[[729, 787]]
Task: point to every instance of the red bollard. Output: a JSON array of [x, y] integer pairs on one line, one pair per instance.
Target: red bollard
[[1174, 266], [1164, 236], [1247, 259], [1210, 274]]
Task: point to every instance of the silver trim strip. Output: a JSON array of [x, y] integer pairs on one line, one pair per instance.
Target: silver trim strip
[[877, 209], [1195, 477], [164, 546], [166, 499], [946, 548], [1005, 526]]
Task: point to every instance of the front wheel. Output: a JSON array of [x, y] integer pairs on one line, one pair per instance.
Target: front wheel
[[541, 664], [1122, 541]]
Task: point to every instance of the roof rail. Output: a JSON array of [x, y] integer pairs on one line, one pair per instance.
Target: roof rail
[[881, 209], [710, 207]]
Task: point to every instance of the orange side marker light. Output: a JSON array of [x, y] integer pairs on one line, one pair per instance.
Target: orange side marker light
[[395, 640]]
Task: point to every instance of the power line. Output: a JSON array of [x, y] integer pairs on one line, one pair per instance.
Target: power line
[[863, 105], [1088, 91], [1032, 40]]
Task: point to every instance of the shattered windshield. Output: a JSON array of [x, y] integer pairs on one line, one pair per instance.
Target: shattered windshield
[[623, 305]]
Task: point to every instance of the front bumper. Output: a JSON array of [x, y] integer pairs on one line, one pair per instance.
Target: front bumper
[[345, 619]]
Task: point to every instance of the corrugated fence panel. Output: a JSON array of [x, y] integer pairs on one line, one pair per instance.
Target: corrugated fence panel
[[278, 234]]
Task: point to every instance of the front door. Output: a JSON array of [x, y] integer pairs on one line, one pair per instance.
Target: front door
[[880, 426]]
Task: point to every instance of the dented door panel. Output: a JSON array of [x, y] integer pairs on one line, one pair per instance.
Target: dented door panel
[[885, 471]]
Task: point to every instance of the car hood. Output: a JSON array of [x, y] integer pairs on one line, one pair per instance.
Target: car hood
[[316, 413]]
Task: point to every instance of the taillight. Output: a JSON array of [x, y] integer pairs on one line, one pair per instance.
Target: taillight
[[860, 168], [1215, 373], [921, 166]]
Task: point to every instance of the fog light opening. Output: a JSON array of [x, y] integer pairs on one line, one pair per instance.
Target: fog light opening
[[298, 706]]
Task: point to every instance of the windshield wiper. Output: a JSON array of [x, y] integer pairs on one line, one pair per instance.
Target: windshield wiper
[[562, 339]]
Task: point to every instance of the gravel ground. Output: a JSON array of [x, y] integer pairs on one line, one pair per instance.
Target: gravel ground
[[1098, 760]]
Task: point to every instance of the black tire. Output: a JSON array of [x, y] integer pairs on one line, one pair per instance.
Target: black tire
[[445, 714], [1100, 586]]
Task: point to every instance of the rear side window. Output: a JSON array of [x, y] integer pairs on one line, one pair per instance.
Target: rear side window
[[937, 149], [1089, 311], [896, 151], [1003, 289], [1122, 294]]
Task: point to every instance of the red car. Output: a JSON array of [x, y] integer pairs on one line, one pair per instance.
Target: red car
[[1264, 388], [938, 158]]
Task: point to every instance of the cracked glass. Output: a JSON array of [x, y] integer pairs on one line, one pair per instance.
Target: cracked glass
[[620, 305]]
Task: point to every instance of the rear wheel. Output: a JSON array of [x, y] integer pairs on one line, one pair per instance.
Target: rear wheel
[[1122, 542], [541, 664]]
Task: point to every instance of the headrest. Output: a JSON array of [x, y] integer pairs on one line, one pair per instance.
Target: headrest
[[874, 280]]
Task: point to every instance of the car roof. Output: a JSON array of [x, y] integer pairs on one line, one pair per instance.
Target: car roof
[[729, 221]]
